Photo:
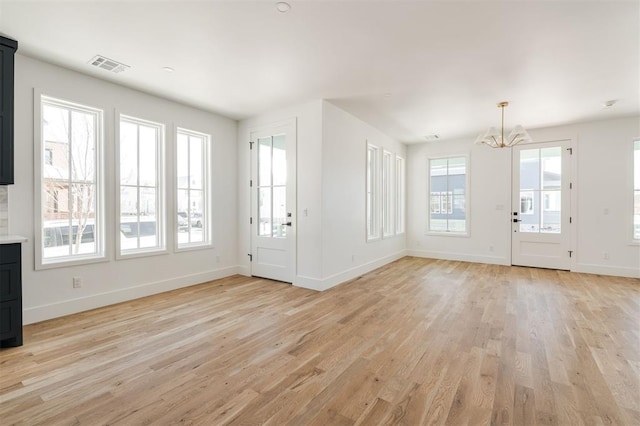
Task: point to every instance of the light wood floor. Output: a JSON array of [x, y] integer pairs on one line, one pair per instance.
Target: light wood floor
[[416, 342]]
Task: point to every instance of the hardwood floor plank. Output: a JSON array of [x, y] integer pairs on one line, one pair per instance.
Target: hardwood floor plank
[[418, 341]]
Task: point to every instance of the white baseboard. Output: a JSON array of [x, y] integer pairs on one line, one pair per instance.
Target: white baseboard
[[341, 277], [463, 257], [616, 271], [67, 307], [244, 270]]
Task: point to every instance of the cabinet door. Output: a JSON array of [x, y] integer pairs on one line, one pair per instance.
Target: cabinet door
[[9, 281], [6, 114], [10, 320]]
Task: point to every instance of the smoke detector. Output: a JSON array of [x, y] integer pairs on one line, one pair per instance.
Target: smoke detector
[[108, 64]]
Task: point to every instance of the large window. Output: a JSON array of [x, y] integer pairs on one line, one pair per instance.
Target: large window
[[373, 217], [400, 190], [636, 190], [192, 181], [141, 148], [71, 191], [448, 195]]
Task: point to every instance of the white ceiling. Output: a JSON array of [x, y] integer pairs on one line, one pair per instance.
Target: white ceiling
[[410, 68]]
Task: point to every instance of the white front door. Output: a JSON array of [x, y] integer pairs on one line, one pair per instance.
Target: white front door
[[541, 216], [273, 200]]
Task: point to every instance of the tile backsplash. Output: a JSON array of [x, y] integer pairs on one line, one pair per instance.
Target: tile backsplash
[[4, 210]]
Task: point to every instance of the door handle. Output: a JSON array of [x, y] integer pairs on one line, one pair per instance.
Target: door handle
[[288, 223], [517, 220]]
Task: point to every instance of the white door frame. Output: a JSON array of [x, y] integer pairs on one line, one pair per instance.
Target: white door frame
[[569, 220], [289, 127]]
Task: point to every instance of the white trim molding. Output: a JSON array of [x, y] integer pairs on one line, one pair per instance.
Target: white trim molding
[[54, 310]]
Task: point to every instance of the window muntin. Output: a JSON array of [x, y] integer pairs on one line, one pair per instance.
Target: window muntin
[[448, 195], [400, 195], [141, 171], [636, 190], [71, 188], [192, 181], [373, 174], [387, 194]]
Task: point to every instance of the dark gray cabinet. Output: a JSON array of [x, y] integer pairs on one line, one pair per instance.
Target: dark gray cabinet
[[8, 49], [10, 295]]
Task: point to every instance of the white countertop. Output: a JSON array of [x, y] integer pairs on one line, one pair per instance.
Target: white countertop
[[12, 239]]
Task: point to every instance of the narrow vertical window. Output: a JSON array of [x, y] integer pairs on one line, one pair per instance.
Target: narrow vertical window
[[400, 195], [192, 182], [71, 190], [636, 190], [448, 179], [387, 194], [141, 169], [373, 220]]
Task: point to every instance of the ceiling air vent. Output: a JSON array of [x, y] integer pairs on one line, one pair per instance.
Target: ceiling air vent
[[108, 64]]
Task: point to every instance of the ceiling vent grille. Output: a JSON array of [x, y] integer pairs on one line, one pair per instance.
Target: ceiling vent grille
[[108, 64]]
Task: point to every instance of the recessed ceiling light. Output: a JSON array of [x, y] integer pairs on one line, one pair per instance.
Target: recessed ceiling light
[[432, 137], [609, 104], [168, 69], [283, 7]]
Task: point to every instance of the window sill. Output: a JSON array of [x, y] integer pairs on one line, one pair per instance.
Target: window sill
[[141, 253], [53, 264], [448, 234], [194, 247]]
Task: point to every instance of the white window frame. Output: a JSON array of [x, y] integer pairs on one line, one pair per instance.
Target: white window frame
[[400, 196], [388, 228], [161, 248], [40, 99], [373, 226], [443, 204], [206, 191], [635, 240]]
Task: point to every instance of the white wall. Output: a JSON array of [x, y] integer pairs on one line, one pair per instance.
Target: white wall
[[49, 293], [331, 241], [346, 252], [602, 173]]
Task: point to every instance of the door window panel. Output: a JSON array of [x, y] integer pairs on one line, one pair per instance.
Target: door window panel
[[540, 190], [272, 189]]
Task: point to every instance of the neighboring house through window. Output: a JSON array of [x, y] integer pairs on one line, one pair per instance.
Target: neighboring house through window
[[448, 180], [70, 189]]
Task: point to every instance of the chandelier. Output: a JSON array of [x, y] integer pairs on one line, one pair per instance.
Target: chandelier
[[496, 139]]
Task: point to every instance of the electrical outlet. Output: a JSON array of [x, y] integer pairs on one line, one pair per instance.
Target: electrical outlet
[[77, 282], [217, 259], [605, 255], [490, 248]]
